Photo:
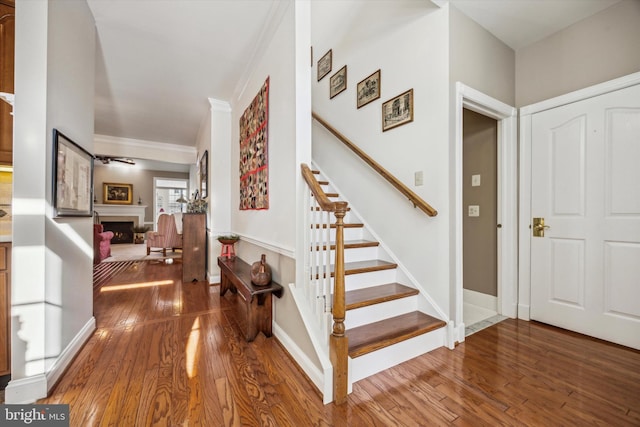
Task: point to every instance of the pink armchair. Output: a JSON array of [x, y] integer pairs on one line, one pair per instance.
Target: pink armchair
[[166, 236], [101, 243]]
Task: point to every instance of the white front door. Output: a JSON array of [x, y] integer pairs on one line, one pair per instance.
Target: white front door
[[585, 175]]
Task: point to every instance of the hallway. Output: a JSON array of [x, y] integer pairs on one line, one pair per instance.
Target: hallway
[[167, 353]]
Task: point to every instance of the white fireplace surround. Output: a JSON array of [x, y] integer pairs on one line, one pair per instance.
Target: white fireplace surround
[[121, 210]]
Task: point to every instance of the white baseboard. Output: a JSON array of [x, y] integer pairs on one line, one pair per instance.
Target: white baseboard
[[314, 373], [479, 299], [26, 390], [66, 357], [459, 333], [524, 312], [30, 389]]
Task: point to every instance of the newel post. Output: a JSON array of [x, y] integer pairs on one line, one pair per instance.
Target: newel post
[[339, 344]]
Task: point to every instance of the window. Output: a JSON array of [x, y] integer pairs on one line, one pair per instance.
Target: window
[[167, 194]]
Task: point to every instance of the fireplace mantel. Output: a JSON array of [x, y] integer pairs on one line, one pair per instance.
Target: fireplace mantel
[[121, 210]]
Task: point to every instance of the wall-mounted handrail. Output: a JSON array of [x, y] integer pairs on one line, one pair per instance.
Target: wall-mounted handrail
[[413, 197]]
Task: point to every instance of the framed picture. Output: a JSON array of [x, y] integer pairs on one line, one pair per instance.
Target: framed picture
[[117, 194], [397, 111], [72, 177], [204, 174], [324, 65], [338, 82], [368, 89]]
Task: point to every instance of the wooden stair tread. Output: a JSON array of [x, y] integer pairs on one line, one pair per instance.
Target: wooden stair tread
[[377, 294], [374, 336], [350, 244], [363, 267]]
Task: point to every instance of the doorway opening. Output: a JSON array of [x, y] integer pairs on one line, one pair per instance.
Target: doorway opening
[[506, 202], [170, 196], [480, 220]]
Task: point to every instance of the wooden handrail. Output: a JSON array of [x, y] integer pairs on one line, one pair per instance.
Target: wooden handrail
[[325, 203], [413, 197]]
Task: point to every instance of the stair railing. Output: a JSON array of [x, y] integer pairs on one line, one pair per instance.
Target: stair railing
[[321, 297], [416, 200]]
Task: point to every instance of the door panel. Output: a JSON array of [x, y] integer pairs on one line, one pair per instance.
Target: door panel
[[585, 271]]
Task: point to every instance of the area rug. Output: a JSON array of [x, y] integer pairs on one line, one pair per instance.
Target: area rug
[[254, 159], [131, 251], [105, 271]]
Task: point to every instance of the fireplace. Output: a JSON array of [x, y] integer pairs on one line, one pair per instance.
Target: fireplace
[[122, 230]]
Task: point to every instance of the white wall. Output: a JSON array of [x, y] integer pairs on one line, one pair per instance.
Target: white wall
[[273, 225], [408, 41], [215, 136], [52, 258], [273, 231], [594, 50], [479, 59]]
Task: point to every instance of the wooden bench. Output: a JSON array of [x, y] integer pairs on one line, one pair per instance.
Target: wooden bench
[[255, 301]]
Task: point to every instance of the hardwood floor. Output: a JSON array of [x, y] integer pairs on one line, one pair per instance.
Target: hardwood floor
[[168, 353]]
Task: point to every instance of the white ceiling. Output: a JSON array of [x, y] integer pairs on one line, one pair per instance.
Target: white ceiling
[[159, 60], [519, 23]]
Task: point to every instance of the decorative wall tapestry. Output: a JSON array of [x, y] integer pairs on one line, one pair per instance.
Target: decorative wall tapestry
[[254, 162]]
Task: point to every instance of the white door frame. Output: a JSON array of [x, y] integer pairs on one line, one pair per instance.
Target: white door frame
[[524, 255], [506, 116]]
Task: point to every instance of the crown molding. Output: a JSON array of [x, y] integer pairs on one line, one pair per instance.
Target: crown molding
[[138, 148], [276, 13]]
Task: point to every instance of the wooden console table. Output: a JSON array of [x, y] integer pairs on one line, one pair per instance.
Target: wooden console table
[[254, 304]]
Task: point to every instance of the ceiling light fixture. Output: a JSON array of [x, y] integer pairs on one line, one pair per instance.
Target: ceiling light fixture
[[108, 159]]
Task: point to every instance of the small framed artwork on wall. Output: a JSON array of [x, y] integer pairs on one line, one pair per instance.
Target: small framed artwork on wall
[[324, 65], [338, 82], [117, 194], [368, 89], [204, 175], [397, 111]]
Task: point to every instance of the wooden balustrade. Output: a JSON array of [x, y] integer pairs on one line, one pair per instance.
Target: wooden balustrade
[[338, 342]]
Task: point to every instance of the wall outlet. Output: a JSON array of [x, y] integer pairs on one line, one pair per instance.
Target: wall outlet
[[418, 177], [474, 210], [475, 180]]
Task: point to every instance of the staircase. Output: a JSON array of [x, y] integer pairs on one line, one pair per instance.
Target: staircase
[[387, 319]]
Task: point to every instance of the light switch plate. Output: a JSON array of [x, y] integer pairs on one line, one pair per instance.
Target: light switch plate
[[474, 210], [418, 177], [475, 180]]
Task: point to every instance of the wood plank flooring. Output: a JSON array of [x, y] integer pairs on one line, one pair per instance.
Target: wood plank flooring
[[168, 353]]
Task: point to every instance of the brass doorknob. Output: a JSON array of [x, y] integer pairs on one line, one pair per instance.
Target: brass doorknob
[[539, 227]]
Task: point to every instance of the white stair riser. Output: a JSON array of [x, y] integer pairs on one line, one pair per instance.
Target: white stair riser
[[321, 217], [377, 312], [320, 235], [350, 255], [366, 280], [374, 362]]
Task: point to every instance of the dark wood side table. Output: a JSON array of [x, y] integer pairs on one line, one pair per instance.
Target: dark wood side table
[[253, 302]]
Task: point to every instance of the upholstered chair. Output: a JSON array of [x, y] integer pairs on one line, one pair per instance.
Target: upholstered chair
[[165, 237], [101, 243]]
